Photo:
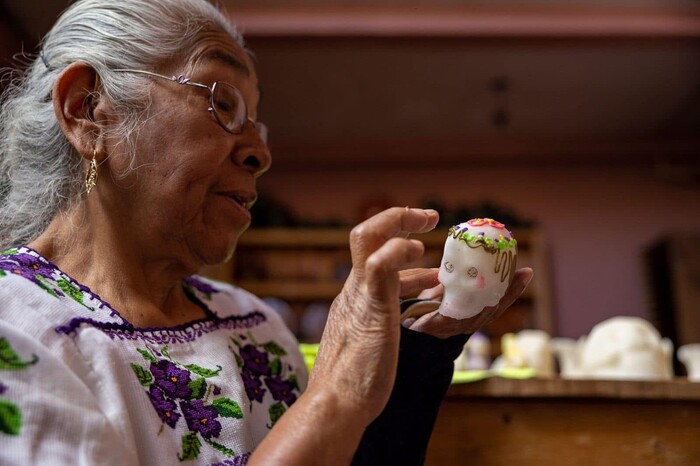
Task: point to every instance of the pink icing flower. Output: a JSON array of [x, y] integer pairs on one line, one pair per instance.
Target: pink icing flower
[[477, 222]]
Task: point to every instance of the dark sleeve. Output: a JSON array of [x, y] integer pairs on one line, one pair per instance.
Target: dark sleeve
[[401, 433]]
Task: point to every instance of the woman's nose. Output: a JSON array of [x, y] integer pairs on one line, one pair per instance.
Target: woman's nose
[[257, 160], [254, 156]]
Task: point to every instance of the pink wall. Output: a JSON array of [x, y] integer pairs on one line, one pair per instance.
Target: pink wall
[[596, 220]]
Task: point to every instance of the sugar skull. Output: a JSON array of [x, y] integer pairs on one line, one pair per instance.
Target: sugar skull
[[477, 266]]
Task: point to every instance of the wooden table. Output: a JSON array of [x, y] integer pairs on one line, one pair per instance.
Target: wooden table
[[564, 422]]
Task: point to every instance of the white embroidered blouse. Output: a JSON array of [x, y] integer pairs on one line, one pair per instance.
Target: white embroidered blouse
[[81, 385]]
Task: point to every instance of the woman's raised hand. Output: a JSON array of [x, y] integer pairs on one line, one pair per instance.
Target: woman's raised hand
[[358, 354], [357, 360], [356, 364]]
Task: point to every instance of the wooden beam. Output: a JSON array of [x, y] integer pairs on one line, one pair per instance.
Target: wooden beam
[[460, 22]]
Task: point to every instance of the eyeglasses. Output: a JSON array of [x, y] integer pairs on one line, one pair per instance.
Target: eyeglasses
[[226, 103]]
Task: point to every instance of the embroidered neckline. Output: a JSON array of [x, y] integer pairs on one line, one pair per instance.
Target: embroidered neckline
[[44, 273], [166, 335]]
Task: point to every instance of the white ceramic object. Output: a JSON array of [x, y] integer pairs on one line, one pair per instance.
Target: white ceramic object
[[626, 348], [689, 355], [476, 354], [477, 266], [566, 351], [527, 349]]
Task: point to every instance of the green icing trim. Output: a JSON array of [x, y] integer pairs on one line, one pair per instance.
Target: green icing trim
[[490, 244], [504, 249]]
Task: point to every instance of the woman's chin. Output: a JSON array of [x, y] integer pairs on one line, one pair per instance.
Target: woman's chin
[[214, 253]]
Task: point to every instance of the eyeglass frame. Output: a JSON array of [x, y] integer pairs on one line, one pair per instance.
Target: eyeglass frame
[[259, 126]]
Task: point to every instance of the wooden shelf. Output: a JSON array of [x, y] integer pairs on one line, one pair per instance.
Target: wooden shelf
[[296, 238], [304, 290], [338, 238], [293, 290], [676, 389], [585, 422], [304, 265], [321, 241]]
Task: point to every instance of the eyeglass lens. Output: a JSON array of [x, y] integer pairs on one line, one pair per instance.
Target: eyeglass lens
[[230, 109], [229, 106]]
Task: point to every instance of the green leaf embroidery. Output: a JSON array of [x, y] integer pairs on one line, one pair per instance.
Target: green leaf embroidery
[[252, 338], [144, 376], [164, 351], [70, 290], [10, 418], [10, 360], [275, 366], [199, 388], [9, 252], [239, 360], [2, 273], [45, 287], [190, 447], [226, 407], [294, 382], [203, 371], [235, 342], [226, 451], [273, 348], [276, 411], [147, 355]]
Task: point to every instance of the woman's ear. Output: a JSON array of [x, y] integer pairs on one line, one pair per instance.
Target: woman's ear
[[77, 104]]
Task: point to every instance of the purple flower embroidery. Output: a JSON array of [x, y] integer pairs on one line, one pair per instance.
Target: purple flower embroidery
[[165, 408], [253, 387], [201, 418], [27, 266], [255, 361], [281, 390], [236, 461], [200, 285], [171, 380]]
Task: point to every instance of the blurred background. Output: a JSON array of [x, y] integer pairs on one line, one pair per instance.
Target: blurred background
[[575, 122]]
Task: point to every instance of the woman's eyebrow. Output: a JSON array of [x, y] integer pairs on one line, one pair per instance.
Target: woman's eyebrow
[[232, 61], [227, 59]]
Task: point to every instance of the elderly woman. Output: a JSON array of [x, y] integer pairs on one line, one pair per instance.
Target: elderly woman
[[130, 151]]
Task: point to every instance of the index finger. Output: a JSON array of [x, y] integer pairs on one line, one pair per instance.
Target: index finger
[[371, 234]]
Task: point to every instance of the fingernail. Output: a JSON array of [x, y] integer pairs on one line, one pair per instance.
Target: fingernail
[[408, 322]]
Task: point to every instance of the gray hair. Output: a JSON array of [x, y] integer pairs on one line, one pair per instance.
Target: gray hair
[[41, 173]]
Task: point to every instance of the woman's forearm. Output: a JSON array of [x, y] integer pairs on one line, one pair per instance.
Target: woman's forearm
[[319, 429]]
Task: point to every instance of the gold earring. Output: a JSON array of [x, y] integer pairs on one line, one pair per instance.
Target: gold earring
[[91, 175]]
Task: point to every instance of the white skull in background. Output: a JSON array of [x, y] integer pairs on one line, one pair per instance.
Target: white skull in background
[[626, 347], [477, 266]]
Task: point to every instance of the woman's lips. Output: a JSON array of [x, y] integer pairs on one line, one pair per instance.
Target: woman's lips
[[245, 200]]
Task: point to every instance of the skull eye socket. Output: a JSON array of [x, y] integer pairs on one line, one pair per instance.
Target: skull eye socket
[[472, 272], [449, 267]]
